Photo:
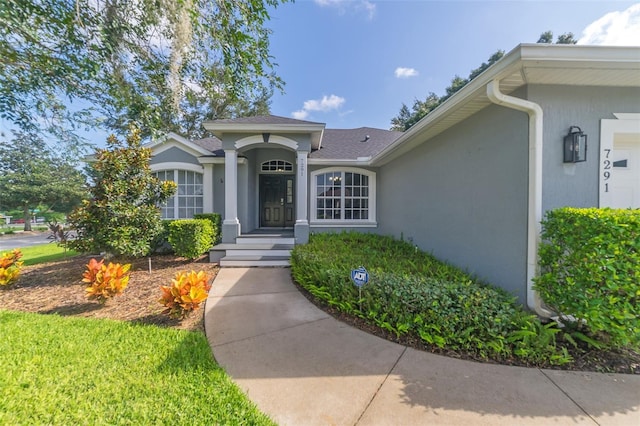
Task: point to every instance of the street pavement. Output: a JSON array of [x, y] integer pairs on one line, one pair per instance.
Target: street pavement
[[19, 240]]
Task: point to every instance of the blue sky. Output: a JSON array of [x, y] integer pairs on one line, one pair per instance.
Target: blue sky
[[339, 58], [352, 63]]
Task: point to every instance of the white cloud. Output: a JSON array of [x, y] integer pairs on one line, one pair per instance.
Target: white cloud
[[619, 28], [326, 104], [402, 72], [343, 5]]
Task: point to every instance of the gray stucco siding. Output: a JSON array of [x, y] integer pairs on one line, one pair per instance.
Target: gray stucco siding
[[463, 197], [174, 155], [576, 185]]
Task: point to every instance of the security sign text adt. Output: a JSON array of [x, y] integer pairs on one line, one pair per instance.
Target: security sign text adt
[[360, 276]]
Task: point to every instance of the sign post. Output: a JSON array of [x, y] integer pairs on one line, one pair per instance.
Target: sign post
[[360, 277]]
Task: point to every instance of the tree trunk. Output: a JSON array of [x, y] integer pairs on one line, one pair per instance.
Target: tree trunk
[[27, 218]]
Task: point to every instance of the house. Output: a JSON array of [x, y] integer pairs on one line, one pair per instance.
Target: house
[[469, 183]]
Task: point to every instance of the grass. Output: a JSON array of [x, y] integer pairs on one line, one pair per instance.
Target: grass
[[58, 370], [42, 253]]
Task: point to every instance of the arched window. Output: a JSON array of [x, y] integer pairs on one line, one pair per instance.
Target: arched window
[[343, 195], [188, 199], [277, 166]]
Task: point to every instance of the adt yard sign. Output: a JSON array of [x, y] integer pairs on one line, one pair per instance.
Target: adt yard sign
[[360, 276]]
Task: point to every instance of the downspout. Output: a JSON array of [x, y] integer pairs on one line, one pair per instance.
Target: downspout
[[534, 215]]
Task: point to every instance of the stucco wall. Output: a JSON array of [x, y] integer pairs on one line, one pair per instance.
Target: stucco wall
[[576, 185], [463, 197], [174, 155]]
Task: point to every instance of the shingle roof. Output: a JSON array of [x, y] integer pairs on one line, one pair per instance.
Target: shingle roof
[[350, 144], [337, 144], [212, 144], [263, 119]]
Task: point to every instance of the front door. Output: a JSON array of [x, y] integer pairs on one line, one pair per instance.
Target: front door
[[276, 201]]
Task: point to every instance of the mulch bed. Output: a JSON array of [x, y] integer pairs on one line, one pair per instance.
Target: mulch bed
[[57, 288]]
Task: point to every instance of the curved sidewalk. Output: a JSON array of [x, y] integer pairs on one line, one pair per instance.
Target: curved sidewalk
[[302, 367]]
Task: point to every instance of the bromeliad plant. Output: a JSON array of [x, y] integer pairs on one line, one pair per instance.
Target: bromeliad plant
[[10, 265], [185, 294], [105, 281]]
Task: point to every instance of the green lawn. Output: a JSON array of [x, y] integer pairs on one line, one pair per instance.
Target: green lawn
[[42, 253], [59, 370]]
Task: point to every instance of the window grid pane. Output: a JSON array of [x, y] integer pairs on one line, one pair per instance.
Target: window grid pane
[[188, 199], [342, 196]]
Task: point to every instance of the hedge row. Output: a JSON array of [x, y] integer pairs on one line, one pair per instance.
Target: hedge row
[[590, 271]]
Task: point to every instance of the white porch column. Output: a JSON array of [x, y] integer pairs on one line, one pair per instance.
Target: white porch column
[[207, 188], [231, 224], [301, 228]]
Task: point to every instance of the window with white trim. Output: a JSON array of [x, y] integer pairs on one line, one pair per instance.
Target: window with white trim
[[188, 199], [277, 166], [345, 195]]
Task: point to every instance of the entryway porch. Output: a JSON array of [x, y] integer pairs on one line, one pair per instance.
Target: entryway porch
[[261, 247]]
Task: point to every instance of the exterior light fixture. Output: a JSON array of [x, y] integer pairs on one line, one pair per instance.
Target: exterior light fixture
[[575, 146], [265, 137]]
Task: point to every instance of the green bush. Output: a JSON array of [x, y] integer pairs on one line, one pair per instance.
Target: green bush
[[412, 293], [190, 237], [216, 221], [590, 262]]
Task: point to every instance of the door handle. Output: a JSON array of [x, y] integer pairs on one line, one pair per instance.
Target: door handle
[[282, 201]]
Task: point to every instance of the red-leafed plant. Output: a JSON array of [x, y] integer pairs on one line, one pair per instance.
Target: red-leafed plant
[[10, 265], [105, 281], [185, 294]]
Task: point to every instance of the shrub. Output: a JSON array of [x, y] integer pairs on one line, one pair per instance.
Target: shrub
[[590, 262], [190, 237], [185, 294], [412, 293], [105, 281], [216, 221], [10, 265]]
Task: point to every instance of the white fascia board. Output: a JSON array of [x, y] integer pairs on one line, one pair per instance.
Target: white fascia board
[[363, 161], [587, 54]]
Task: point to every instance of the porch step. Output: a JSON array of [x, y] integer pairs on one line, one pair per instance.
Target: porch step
[[265, 239], [251, 261], [254, 250]]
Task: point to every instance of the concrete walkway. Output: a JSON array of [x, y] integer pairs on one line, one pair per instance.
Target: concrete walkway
[[302, 367]]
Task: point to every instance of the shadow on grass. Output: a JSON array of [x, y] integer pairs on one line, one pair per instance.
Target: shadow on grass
[[70, 310], [192, 353]]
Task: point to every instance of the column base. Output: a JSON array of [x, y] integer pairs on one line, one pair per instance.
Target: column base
[[230, 231], [301, 232]]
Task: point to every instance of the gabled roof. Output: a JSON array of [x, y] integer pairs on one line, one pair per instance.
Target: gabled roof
[[352, 144], [267, 124], [550, 64]]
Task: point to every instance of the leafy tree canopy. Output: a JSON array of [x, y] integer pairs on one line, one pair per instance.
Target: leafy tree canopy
[[66, 65], [121, 217], [407, 118], [31, 175]]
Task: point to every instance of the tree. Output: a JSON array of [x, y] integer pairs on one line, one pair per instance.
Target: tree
[[66, 63], [121, 217], [31, 175], [405, 119], [566, 38]]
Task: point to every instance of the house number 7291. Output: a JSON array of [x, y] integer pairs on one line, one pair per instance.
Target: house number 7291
[[606, 168]]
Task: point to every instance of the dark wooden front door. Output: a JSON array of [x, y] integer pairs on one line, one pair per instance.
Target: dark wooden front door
[[276, 201]]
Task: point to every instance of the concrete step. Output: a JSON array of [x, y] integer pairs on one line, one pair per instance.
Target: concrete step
[[265, 239], [245, 261]]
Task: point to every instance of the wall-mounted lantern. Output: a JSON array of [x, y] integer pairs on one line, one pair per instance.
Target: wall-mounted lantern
[[575, 146], [265, 137]]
